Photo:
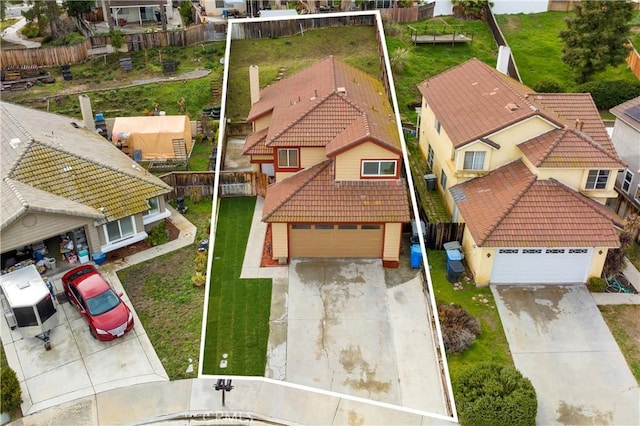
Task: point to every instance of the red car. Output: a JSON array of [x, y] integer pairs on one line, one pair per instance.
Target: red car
[[105, 312]]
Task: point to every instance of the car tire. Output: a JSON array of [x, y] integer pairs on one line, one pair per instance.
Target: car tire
[[93, 333]]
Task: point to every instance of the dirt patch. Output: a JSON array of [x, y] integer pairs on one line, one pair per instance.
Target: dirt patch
[[143, 245], [513, 23], [267, 250]]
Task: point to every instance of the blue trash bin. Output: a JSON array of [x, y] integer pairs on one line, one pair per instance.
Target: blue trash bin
[[99, 258], [416, 256]]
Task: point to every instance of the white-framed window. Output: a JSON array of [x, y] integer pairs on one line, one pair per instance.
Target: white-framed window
[[626, 181], [597, 179], [443, 180], [437, 126], [120, 229], [288, 158], [379, 168], [154, 204], [430, 157], [474, 160]]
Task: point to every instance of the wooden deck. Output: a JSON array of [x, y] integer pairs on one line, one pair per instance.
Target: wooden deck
[[440, 39]]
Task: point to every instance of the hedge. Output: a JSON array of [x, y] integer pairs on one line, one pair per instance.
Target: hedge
[[10, 393], [607, 94]]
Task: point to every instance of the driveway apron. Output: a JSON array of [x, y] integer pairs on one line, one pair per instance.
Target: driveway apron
[[559, 340]]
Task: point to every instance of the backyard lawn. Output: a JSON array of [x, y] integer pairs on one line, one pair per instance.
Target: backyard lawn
[[238, 317]]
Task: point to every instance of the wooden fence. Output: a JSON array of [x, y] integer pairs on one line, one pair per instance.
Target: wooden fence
[[440, 233], [633, 60], [232, 184], [45, 57], [408, 14], [289, 27], [569, 5]]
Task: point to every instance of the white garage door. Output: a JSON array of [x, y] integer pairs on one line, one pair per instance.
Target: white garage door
[[541, 265]]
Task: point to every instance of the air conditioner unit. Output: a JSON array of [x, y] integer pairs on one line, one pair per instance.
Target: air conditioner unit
[[11, 318]]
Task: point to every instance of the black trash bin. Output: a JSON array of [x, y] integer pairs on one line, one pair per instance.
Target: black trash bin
[[454, 269], [431, 180]]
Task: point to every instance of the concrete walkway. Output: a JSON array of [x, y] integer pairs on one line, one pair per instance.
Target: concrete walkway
[[10, 34]]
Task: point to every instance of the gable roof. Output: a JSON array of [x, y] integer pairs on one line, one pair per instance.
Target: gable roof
[[313, 106], [313, 196], [46, 158], [254, 144], [622, 112], [568, 148], [473, 100], [526, 212]]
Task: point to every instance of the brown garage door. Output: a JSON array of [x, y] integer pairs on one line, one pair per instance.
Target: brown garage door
[[335, 240]]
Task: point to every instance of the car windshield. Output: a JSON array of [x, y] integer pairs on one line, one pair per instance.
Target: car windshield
[[104, 302]]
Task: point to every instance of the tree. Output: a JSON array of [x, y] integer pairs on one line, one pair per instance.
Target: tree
[[615, 257], [492, 394], [45, 13], [77, 8], [471, 9], [595, 36]]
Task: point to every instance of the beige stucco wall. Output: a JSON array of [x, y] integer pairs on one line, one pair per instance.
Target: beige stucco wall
[[392, 236], [279, 240], [312, 156], [348, 162], [283, 175], [597, 261], [34, 227], [509, 138], [262, 157], [262, 122]]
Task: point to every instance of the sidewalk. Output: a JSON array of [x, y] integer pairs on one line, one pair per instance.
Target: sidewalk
[[11, 35]]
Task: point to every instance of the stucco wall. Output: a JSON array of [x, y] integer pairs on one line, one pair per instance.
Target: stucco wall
[[279, 240], [348, 163], [392, 236]]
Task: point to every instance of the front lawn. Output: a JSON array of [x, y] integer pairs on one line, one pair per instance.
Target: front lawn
[[238, 316], [492, 343], [623, 323]]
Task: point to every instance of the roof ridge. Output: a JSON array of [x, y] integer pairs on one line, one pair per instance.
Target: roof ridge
[[25, 206], [510, 207], [595, 144], [17, 124], [313, 173], [71, 154], [552, 145]]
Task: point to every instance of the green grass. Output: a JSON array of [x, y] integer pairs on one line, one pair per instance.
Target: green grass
[[6, 23], [168, 304], [633, 254], [492, 344], [238, 317], [199, 160], [537, 48], [623, 323]]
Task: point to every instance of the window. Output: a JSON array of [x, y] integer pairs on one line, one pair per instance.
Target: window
[[637, 197], [288, 158], [324, 226], [370, 227], [597, 179], [300, 226], [443, 181], [437, 126], [577, 251], [508, 251], [25, 316], [430, 157], [347, 226], [379, 168], [120, 229], [554, 251], [626, 181], [474, 160], [45, 308], [532, 251], [219, 4], [154, 203]]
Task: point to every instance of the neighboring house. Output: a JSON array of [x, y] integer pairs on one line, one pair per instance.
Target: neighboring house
[[328, 136], [626, 139], [63, 183], [528, 173], [137, 11]]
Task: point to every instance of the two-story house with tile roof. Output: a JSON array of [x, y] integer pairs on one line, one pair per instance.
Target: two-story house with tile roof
[[528, 173], [63, 182], [626, 139], [329, 137]]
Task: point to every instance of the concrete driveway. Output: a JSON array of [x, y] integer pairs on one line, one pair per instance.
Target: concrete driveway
[[559, 340], [348, 332], [78, 365]]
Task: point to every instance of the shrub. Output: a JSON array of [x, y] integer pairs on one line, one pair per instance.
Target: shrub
[[596, 285], [398, 59], [30, 31], [459, 328], [493, 394], [195, 195], [607, 94], [199, 279], [10, 393], [548, 86], [159, 234], [200, 261]]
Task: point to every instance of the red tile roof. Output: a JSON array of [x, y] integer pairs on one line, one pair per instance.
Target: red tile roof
[[312, 195], [568, 148], [255, 144], [315, 105], [510, 208]]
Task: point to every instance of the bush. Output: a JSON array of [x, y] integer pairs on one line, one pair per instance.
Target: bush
[[200, 262], [459, 328], [548, 86], [10, 393], [195, 195], [596, 285], [398, 59], [30, 31], [607, 94], [159, 234], [493, 394]]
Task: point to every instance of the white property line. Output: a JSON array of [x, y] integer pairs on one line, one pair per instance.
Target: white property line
[[441, 355]]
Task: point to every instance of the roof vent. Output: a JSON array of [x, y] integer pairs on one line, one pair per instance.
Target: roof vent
[[511, 106], [341, 90], [14, 142]]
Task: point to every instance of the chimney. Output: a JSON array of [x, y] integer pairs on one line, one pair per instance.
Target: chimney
[[87, 113], [504, 53], [254, 83]]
